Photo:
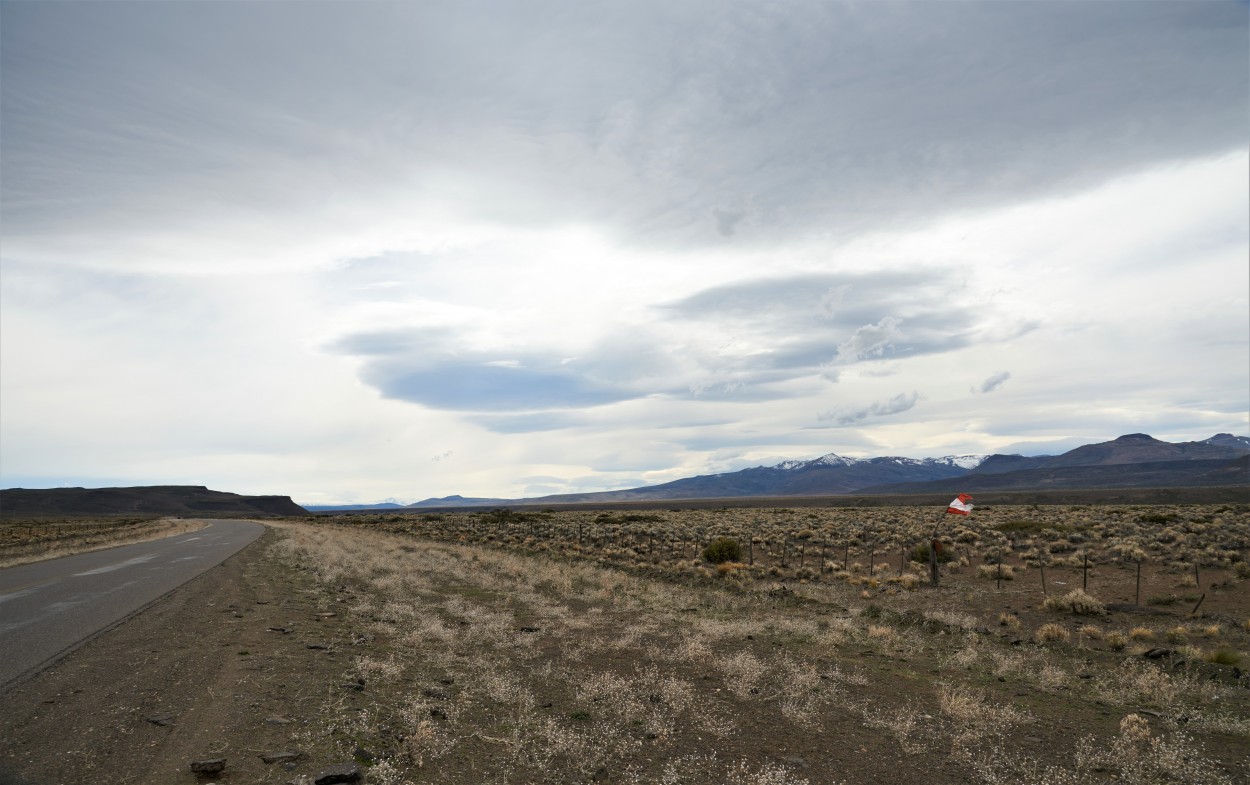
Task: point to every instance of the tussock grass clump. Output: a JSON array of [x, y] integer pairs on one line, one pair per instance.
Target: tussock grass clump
[[991, 572], [1091, 632], [727, 569], [1077, 601], [1141, 634], [1116, 641], [1050, 633]]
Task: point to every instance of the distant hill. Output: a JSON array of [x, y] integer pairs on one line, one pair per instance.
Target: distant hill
[[828, 475], [184, 500], [1140, 448], [1131, 461], [1151, 474], [334, 507]]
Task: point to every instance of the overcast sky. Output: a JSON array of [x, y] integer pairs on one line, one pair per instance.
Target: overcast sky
[[357, 251]]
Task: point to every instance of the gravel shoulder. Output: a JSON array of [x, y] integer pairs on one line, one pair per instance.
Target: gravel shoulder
[[198, 675]]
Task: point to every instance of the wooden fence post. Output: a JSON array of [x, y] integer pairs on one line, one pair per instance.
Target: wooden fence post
[[1137, 596]]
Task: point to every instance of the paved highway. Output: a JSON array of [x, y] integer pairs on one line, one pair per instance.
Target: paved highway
[[48, 608]]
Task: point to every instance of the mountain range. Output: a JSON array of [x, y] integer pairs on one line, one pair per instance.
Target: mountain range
[[1131, 461]]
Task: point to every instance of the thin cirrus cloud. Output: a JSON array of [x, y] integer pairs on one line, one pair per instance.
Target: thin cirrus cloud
[[993, 383], [894, 405]]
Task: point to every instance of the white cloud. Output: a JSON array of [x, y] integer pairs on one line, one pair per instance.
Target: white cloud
[[302, 249]]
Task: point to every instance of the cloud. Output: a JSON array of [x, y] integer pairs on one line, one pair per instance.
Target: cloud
[[872, 340], [895, 405], [727, 221], [993, 383], [528, 234], [647, 125], [535, 422]]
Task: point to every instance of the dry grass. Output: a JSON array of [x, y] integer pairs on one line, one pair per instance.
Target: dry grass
[[657, 667], [1077, 602], [29, 541]]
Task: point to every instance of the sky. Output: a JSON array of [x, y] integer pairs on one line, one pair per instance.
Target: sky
[[359, 251]]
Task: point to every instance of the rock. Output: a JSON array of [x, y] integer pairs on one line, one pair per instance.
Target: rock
[[364, 756], [435, 694], [531, 629], [1157, 653], [319, 646], [342, 772], [162, 720], [279, 757], [277, 721], [208, 765]]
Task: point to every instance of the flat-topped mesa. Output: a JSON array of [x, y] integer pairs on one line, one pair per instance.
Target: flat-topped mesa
[[183, 500]]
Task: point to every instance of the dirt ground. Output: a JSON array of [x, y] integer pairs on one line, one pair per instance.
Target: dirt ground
[[199, 675], [420, 661]]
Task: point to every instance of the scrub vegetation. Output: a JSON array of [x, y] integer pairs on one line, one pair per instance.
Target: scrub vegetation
[[512, 647], [30, 540]]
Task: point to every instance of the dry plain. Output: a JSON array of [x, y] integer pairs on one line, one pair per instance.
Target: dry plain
[[599, 646]]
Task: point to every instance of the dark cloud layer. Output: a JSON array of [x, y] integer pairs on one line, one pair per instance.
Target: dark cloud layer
[[704, 121]]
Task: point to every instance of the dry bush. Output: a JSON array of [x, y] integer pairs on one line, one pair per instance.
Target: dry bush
[[1115, 640], [1049, 633], [974, 719], [991, 572], [1138, 756], [1077, 602], [1141, 634]]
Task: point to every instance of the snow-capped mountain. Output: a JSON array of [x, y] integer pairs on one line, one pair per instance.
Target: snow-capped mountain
[[1134, 460], [965, 462]]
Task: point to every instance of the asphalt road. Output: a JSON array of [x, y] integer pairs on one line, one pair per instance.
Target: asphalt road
[[49, 608]]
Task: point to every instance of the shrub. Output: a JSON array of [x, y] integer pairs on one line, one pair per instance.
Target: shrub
[[1223, 656], [920, 553], [723, 549], [1141, 633], [1009, 620], [1077, 601]]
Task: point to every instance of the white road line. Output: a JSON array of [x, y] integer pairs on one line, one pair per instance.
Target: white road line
[[118, 566]]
